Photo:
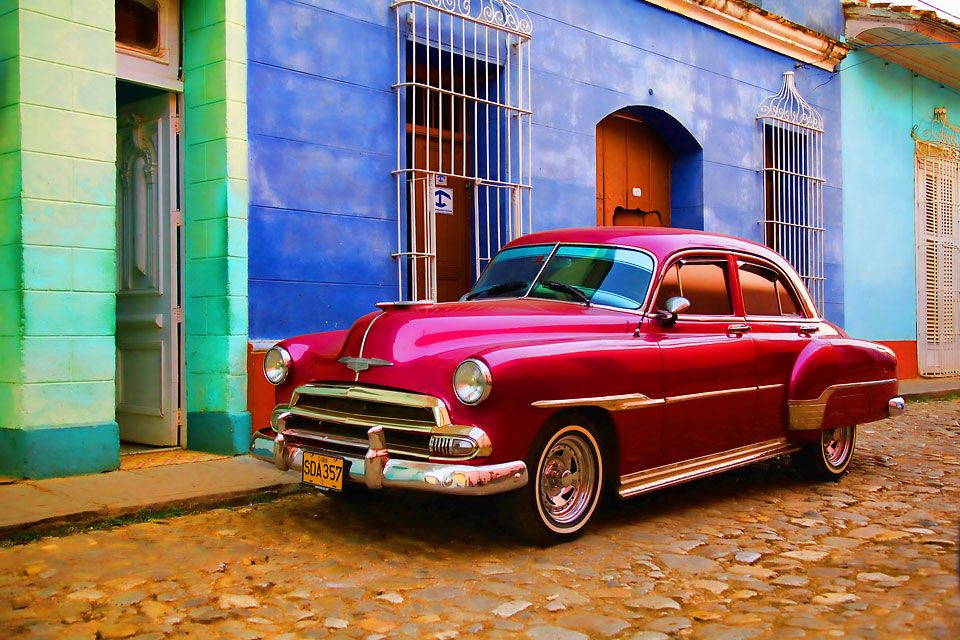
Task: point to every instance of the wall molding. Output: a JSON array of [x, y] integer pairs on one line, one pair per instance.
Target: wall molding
[[763, 29]]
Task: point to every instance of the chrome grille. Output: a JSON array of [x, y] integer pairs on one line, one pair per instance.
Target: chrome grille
[[336, 418]]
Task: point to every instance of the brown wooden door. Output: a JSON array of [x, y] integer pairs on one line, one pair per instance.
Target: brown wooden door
[[452, 239], [631, 159]]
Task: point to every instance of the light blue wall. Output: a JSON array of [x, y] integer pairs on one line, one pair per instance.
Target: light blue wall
[[881, 104], [322, 136]]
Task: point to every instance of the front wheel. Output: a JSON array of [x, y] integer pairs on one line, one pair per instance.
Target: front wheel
[[566, 480], [828, 457]]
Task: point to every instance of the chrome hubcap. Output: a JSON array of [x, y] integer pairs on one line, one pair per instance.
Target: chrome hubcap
[[568, 478], [837, 444]]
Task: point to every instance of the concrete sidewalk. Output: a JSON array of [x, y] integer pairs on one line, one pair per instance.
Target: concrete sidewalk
[[917, 388], [44, 504]]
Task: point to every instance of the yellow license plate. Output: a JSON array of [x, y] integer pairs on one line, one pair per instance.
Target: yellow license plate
[[322, 471]]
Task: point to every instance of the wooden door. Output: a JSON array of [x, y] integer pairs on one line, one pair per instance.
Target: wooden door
[[450, 206], [633, 174], [148, 319]]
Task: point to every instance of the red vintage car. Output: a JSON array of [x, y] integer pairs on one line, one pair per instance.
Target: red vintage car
[[583, 361]]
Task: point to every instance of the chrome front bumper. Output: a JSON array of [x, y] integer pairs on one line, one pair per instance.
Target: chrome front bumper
[[376, 470]]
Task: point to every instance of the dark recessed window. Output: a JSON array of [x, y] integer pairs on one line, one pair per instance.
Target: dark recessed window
[[138, 24]]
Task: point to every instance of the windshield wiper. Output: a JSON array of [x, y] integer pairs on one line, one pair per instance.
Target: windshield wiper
[[498, 288], [567, 288]]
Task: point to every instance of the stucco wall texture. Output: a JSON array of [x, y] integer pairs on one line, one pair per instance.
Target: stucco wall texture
[[878, 200], [323, 127]]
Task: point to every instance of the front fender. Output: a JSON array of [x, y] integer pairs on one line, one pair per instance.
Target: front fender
[[587, 371], [838, 382]]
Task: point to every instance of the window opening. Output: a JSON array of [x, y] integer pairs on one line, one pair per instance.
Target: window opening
[[937, 146], [765, 293], [138, 24], [793, 223], [464, 109], [705, 284]]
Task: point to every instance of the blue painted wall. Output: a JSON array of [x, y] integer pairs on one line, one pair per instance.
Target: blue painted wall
[[322, 136], [882, 102]]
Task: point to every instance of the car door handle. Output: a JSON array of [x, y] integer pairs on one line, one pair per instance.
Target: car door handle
[[738, 328], [809, 328]]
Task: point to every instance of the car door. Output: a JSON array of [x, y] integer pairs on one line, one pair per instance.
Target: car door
[[709, 364], [780, 328]]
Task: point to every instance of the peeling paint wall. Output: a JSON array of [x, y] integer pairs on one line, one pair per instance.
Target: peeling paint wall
[[322, 127]]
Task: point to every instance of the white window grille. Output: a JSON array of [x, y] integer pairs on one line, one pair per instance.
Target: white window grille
[[937, 191], [464, 116], [793, 183]]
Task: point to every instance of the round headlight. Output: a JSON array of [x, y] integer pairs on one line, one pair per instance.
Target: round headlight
[[472, 381], [276, 365]]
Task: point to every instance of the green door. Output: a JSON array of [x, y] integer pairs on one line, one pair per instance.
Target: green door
[[149, 316]]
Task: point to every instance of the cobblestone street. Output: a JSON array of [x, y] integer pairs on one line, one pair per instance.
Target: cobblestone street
[[753, 553]]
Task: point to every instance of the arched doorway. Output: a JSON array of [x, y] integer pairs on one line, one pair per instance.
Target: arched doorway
[[649, 171]]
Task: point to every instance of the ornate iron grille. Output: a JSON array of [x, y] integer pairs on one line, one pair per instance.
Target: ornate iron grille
[[464, 116], [938, 245], [793, 183]]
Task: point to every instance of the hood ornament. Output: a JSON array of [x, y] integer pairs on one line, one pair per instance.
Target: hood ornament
[[362, 364]]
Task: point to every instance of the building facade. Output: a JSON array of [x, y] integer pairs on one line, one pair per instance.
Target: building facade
[[123, 245], [901, 198], [182, 183]]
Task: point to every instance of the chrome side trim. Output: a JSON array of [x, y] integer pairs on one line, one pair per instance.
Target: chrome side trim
[[709, 394], [768, 387], [376, 469], [638, 400], [807, 415], [671, 474], [612, 403]]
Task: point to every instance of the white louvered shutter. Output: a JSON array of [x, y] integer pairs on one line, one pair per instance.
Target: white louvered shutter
[[938, 261]]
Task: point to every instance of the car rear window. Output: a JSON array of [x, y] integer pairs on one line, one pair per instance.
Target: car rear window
[[765, 292], [705, 283]]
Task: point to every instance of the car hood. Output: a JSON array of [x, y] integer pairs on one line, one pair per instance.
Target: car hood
[[423, 341]]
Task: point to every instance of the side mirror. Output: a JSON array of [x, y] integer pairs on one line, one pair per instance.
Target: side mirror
[[672, 307]]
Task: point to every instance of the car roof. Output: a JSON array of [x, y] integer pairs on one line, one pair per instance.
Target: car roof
[[662, 242]]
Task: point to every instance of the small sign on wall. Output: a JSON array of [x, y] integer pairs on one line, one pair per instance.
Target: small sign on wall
[[442, 201]]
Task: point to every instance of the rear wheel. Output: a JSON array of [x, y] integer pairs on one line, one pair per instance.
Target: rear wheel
[[828, 457], [566, 481]]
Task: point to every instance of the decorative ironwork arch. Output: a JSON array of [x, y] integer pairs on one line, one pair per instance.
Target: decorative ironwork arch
[[496, 13], [792, 133], [937, 132]]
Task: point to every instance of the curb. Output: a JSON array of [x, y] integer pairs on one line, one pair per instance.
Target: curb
[[931, 395], [187, 505]]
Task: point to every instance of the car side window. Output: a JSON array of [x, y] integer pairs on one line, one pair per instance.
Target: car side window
[[705, 283], [766, 293]]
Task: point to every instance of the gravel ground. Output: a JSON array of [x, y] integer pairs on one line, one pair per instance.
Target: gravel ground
[[757, 552]]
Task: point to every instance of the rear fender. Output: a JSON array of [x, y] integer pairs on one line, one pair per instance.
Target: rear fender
[[839, 382]]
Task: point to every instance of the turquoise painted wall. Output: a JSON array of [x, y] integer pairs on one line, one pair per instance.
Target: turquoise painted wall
[[57, 236], [881, 103], [215, 209]]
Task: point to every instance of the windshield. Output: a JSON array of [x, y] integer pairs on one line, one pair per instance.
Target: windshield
[[609, 276]]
